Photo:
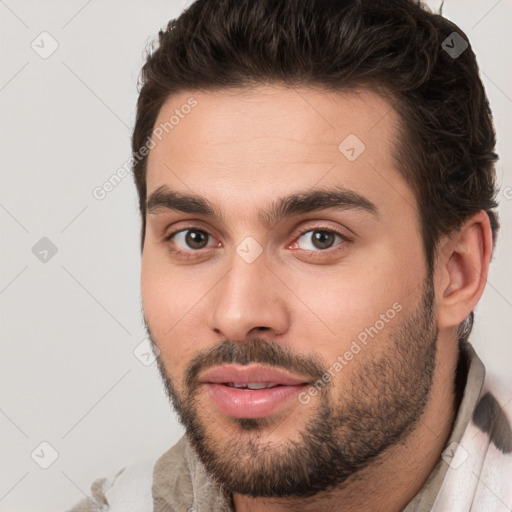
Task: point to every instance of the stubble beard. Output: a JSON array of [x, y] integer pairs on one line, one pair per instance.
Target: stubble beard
[[380, 406]]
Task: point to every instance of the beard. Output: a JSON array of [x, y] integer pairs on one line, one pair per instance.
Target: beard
[[379, 406]]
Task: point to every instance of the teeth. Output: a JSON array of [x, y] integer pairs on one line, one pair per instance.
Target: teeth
[[251, 385], [258, 385]]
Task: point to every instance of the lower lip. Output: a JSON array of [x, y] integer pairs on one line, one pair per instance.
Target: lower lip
[[257, 403]]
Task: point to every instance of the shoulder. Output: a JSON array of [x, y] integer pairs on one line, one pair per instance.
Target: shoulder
[[174, 477], [127, 489], [493, 413], [97, 501], [174, 481]]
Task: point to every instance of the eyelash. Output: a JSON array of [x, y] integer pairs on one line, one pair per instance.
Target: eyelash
[[314, 254]]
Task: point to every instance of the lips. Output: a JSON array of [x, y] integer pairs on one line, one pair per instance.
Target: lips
[[253, 373], [251, 391]]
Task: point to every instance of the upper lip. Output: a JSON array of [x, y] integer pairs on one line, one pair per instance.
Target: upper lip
[[250, 374]]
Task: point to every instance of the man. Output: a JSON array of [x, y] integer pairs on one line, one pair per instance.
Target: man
[[316, 184]]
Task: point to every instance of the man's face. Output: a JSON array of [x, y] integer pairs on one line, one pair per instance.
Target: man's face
[[329, 306]]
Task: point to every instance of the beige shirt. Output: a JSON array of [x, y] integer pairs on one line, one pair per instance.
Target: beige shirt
[[425, 498]]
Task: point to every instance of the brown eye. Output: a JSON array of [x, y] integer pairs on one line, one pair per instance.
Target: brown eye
[[318, 239], [190, 239]]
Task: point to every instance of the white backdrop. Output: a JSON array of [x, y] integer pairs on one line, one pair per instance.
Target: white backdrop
[[69, 275]]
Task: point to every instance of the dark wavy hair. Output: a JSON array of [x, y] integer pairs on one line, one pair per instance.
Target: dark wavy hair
[[446, 146]]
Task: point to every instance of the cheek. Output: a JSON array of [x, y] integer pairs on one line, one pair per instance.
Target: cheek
[[347, 303], [169, 300], [166, 291]]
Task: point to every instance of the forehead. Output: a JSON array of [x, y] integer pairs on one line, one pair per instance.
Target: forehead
[[239, 146]]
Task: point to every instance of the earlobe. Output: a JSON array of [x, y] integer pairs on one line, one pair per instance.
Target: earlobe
[[464, 265]]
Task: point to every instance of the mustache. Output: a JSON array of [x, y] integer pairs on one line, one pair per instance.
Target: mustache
[[254, 350]]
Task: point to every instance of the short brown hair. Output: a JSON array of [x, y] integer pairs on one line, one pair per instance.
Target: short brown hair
[[446, 148]]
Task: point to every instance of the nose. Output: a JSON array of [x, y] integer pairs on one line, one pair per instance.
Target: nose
[[248, 300]]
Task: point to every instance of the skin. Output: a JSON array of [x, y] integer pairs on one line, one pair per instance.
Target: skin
[[241, 149]]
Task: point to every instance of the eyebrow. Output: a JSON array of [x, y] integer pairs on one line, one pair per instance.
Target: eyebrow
[[339, 198]]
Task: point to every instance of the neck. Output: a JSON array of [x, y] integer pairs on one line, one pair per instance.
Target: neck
[[399, 473]]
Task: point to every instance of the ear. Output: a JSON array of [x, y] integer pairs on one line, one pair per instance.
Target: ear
[[463, 265]]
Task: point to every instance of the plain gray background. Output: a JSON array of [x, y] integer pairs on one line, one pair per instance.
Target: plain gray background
[[70, 324]]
